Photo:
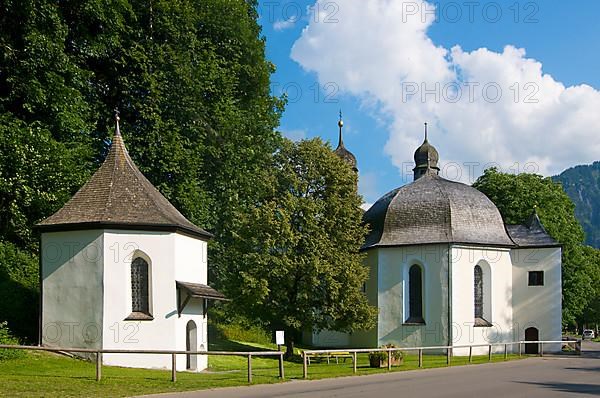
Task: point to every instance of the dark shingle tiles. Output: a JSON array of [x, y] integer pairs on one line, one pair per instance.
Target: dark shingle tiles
[[532, 234], [435, 210], [119, 196]]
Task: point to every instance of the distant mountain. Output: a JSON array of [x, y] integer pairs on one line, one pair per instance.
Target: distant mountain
[[582, 184]]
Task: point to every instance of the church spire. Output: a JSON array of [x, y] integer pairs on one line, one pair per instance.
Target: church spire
[[341, 150], [117, 119], [426, 159], [341, 125]]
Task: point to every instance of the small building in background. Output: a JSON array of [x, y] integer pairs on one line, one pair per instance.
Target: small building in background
[[122, 268]]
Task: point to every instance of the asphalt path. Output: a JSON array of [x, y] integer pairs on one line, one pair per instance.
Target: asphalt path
[[550, 376]]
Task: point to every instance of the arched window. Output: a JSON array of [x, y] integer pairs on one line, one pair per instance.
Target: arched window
[[140, 302], [478, 289], [415, 295], [482, 295]]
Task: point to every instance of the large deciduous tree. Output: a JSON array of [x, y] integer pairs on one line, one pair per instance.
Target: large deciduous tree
[[295, 264], [516, 196], [191, 80]]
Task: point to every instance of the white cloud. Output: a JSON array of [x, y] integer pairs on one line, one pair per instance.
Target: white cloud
[[281, 24], [367, 186], [294, 135], [536, 124], [366, 206]]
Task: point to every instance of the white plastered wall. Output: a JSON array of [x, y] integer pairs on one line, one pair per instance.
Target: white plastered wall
[[72, 278], [392, 278], [171, 257], [538, 306], [191, 265], [497, 297]]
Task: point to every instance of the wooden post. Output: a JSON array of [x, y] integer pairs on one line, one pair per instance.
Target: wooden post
[[448, 356], [173, 367], [98, 366], [490, 353], [505, 352], [541, 349], [304, 365], [470, 354], [354, 361], [249, 368], [520, 349], [420, 357], [389, 359], [281, 371]]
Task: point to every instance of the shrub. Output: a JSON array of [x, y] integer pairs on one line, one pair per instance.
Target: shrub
[[6, 337], [241, 332], [19, 297], [378, 358]]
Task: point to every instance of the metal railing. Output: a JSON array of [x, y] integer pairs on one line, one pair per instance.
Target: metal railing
[[248, 354], [306, 354]]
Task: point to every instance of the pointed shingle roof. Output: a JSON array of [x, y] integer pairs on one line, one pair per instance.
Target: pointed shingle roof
[[118, 196], [531, 234]]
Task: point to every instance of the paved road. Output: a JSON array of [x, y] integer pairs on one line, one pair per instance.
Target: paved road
[[533, 377]]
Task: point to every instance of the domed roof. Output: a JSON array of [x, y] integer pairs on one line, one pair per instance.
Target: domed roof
[[425, 154], [426, 158], [435, 210]]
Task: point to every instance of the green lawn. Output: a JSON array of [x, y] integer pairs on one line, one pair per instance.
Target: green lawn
[[43, 374]]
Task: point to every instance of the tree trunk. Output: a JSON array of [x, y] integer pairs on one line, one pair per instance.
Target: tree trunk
[[289, 344]]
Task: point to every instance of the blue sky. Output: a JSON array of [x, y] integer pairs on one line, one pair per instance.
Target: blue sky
[[335, 52]]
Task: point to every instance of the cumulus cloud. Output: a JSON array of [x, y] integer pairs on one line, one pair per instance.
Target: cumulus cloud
[[294, 135], [484, 107], [281, 24]]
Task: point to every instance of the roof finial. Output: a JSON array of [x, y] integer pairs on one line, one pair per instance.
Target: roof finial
[[117, 119], [425, 131], [341, 124]]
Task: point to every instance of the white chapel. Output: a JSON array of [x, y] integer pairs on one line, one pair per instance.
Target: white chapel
[[446, 270], [122, 268]]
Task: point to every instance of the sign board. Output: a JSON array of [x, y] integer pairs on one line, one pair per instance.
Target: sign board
[[279, 337]]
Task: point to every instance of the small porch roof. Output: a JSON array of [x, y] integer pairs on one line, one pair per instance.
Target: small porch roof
[[198, 290]]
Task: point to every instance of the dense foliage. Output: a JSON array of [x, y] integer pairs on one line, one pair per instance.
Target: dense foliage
[[582, 184], [19, 296], [6, 337], [516, 196], [192, 83], [295, 264]]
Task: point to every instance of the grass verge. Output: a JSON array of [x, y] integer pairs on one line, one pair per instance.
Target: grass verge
[[41, 374]]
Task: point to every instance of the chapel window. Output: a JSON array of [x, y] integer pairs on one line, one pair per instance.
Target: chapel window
[[140, 300], [415, 295]]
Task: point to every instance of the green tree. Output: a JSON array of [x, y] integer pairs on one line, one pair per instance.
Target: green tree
[[191, 80], [591, 313], [295, 264], [19, 292], [516, 196]]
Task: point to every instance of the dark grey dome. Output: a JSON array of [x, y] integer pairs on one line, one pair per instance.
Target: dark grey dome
[[426, 154], [435, 210]]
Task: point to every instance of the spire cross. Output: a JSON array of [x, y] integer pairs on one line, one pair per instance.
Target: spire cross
[[425, 131], [117, 119]]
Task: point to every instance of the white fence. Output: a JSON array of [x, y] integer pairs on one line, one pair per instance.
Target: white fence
[[307, 354], [248, 354]]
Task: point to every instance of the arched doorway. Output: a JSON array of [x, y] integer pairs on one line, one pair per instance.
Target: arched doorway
[[531, 334], [191, 344]]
